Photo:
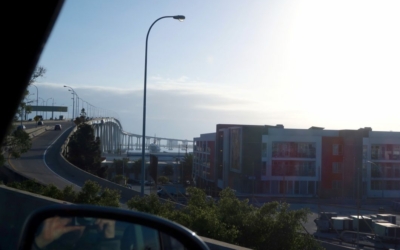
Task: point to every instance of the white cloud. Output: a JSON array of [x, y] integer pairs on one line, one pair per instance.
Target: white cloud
[[210, 59]]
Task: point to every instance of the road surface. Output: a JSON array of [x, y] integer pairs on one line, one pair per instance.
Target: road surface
[[32, 164]]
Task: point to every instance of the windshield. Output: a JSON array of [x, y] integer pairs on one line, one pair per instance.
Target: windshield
[[291, 102]]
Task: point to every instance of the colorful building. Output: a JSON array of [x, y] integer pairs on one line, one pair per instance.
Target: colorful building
[[274, 161]]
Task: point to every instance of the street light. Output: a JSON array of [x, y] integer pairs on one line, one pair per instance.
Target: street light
[[180, 18], [73, 100], [42, 104], [37, 97], [52, 110], [46, 105]]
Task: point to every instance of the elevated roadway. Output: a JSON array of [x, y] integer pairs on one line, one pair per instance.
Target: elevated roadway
[[32, 164], [44, 163], [33, 124]]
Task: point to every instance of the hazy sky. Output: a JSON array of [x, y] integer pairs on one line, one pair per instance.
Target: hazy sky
[[334, 64]]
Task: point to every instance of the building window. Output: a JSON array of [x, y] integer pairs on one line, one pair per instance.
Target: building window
[[365, 151], [336, 167], [293, 149], [266, 187], [337, 149], [290, 187], [275, 187], [396, 170], [235, 136], [376, 185], [396, 152], [336, 184], [385, 152], [311, 187], [303, 187], [296, 187], [376, 171], [282, 187], [264, 150], [396, 185], [264, 168], [293, 168]]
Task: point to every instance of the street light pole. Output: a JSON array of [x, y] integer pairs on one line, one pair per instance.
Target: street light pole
[[73, 100], [42, 104], [52, 110], [77, 103], [46, 105], [37, 97], [180, 18]]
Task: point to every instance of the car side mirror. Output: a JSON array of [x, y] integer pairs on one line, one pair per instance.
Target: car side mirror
[[93, 227]]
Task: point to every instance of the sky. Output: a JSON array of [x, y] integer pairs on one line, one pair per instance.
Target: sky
[[332, 64]]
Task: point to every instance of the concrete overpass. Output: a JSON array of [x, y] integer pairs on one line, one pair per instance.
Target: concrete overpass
[[114, 138]]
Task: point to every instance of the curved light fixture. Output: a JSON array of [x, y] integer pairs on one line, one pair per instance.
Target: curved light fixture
[[181, 18], [177, 17]]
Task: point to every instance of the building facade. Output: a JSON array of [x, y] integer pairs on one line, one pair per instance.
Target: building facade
[[204, 162], [274, 161]]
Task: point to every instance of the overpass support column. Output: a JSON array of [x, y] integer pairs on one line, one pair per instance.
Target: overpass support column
[[138, 142], [147, 143], [109, 142]]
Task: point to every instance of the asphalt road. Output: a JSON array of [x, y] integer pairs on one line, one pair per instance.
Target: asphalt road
[[32, 164], [41, 162], [32, 124]]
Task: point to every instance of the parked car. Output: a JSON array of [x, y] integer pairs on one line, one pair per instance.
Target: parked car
[[21, 127], [40, 123], [57, 127], [133, 182], [149, 183]]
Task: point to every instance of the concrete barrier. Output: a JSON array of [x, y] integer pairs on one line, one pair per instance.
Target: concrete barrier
[[33, 132], [77, 175], [8, 175], [15, 208]]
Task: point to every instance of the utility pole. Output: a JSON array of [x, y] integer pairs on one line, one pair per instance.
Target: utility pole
[[52, 110]]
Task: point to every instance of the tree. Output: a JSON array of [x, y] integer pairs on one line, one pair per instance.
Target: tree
[[28, 185], [18, 142], [40, 71], [272, 226], [162, 180], [137, 168], [168, 170], [52, 191], [152, 204], [187, 165], [24, 108], [120, 166], [92, 193], [83, 114], [119, 179], [28, 109], [84, 149], [102, 171], [69, 194]]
